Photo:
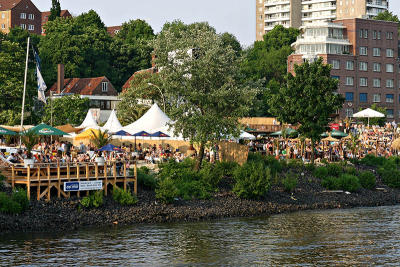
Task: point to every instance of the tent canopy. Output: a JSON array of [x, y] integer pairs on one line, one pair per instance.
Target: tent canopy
[[87, 134], [110, 148], [122, 133], [368, 113], [44, 129], [141, 133], [335, 133], [68, 128], [112, 125], [159, 134], [288, 131], [246, 136], [4, 131], [89, 122]]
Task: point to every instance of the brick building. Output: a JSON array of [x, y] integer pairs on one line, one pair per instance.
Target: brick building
[[20, 13], [46, 15], [113, 30], [364, 58]]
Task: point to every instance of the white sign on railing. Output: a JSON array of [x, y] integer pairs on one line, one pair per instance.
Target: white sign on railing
[[83, 186]]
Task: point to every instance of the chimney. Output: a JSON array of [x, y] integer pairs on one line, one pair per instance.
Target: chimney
[[60, 78]]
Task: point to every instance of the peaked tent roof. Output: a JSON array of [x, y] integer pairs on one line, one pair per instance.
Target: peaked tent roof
[[89, 122], [112, 125], [151, 121], [368, 113]]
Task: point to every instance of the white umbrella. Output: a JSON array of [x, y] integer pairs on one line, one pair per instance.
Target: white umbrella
[[246, 136], [368, 113]]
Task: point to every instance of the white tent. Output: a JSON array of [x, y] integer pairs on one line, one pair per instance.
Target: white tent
[[246, 136], [112, 125], [89, 122], [368, 113]]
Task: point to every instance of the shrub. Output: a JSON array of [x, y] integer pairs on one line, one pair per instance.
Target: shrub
[[20, 196], [350, 170], [124, 197], [146, 179], [371, 160], [349, 182], [226, 168], [268, 161], [252, 180], [310, 167], [93, 200], [390, 177], [295, 164], [321, 172], [9, 206], [334, 169], [367, 180], [290, 182], [166, 191], [331, 183], [209, 175]]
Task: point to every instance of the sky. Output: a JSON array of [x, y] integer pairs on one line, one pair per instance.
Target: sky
[[234, 16]]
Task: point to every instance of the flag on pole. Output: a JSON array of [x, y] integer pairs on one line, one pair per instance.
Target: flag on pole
[[40, 81]]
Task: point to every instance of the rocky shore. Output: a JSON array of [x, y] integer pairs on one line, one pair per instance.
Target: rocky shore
[[61, 215]]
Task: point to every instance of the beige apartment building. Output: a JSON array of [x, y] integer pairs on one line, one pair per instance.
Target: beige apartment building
[[297, 13]]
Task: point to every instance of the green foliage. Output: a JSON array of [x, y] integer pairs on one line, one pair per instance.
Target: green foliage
[[207, 80], [253, 180], [334, 169], [350, 170], [146, 179], [290, 181], [55, 10], [14, 204], [267, 161], [93, 200], [321, 172], [295, 164], [371, 160], [367, 180], [124, 197], [388, 16], [344, 182], [225, 168], [167, 190], [390, 177], [30, 139], [100, 138], [20, 196], [310, 167], [68, 109]]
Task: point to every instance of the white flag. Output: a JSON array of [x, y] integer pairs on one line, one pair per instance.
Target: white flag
[[41, 85]]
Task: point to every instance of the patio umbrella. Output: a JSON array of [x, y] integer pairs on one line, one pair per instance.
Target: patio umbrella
[[159, 134], [335, 133], [368, 113], [288, 131], [110, 148], [68, 128], [248, 129], [44, 129], [330, 139], [122, 133], [142, 133], [4, 131]]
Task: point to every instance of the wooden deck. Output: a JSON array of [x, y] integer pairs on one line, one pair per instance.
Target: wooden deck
[[44, 177]]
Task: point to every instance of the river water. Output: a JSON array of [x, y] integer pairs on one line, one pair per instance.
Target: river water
[[353, 237]]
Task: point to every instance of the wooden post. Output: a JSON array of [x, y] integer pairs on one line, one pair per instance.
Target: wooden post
[[38, 187], [48, 182], [28, 186], [78, 177], [87, 175], [12, 176], [68, 177], [115, 173], [135, 182], [125, 176], [59, 181], [105, 178]]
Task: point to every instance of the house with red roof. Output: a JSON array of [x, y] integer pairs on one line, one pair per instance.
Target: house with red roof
[[20, 13], [113, 30]]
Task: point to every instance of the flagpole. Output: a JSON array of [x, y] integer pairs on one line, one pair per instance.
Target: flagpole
[[23, 95]]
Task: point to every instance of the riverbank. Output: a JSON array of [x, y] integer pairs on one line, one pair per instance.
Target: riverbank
[[64, 215]]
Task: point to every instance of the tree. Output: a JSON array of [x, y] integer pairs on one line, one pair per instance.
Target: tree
[[55, 10], [68, 109], [230, 40], [131, 50], [201, 79], [81, 43], [309, 99], [388, 16], [100, 138]]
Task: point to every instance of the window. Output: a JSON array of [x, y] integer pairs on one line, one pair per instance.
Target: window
[[31, 16], [335, 64], [335, 77], [379, 35], [23, 16], [363, 97], [349, 81], [374, 35], [377, 98], [389, 98], [361, 33], [363, 51], [389, 67], [3, 16], [389, 113], [363, 66], [389, 35], [104, 86], [31, 27], [377, 67], [376, 52], [389, 83], [349, 112], [363, 82], [349, 96], [23, 26], [377, 83], [389, 52], [366, 34], [349, 65], [3, 26]]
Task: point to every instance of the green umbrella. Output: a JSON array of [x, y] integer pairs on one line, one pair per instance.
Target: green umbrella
[[335, 133], [248, 129], [289, 131], [44, 129], [4, 131]]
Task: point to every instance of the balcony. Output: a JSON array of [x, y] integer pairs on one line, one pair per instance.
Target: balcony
[[378, 4], [277, 2]]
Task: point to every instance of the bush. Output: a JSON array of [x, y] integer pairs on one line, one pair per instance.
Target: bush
[[9, 206], [310, 167], [334, 169], [290, 182], [268, 161], [321, 172], [93, 200], [371, 160], [20, 196], [390, 177], [252, 180], [295, 164], [226, 168], [367, 180], [350, 170], [124, 197], [331, 183], [146, 179], [166, 191], [2, 179], [345, 182]]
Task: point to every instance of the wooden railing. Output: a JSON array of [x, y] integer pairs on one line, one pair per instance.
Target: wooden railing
[[45, 176]]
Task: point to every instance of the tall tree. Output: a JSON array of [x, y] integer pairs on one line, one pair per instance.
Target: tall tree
[[68, 109], [201, 79], [308, 100], [55, 10]]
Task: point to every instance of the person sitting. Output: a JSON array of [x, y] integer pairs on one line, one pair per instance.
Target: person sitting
[[12, 158]]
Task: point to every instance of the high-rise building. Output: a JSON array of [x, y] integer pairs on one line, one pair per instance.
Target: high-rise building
[[297, 13]]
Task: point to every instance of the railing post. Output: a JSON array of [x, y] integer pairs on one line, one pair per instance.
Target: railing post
[[135, 182], [78, 177], [68, 177], [105, 178], [87, 175], [12, 177], [59, 180], [28, 186], [38, 187], [115, 173], [125, 176]]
